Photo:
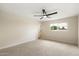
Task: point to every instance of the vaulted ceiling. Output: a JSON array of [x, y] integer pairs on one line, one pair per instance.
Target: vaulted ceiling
[[31, 9]]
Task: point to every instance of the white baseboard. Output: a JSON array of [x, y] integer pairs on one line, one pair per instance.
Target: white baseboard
[[14, 44]]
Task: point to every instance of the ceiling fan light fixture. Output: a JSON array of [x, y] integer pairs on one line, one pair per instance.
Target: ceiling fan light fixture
[[45, 14]]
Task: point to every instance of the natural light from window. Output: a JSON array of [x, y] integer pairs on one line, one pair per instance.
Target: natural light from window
[[59, 26]]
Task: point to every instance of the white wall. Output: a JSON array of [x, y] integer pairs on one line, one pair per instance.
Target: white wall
[[70, 36], [15, 29]]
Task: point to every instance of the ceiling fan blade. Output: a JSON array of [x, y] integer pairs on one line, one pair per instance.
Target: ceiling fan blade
[[51, 13]]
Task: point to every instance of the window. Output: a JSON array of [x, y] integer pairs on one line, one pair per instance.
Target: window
[[59, 26]]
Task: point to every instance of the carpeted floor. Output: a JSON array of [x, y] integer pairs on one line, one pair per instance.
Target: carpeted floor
[[41, 48]]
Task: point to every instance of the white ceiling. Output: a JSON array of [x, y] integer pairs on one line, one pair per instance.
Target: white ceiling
[[30, 9]]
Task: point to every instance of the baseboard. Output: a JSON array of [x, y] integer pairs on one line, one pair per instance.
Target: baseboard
[[14, 44]]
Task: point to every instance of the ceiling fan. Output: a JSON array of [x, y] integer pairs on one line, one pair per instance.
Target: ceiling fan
[[45, 14]]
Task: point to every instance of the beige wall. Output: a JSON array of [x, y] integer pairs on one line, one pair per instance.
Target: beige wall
[[15, 29], [70, 36], [78, 31]]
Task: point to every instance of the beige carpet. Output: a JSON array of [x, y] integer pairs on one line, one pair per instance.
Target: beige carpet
[[41, 48]]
